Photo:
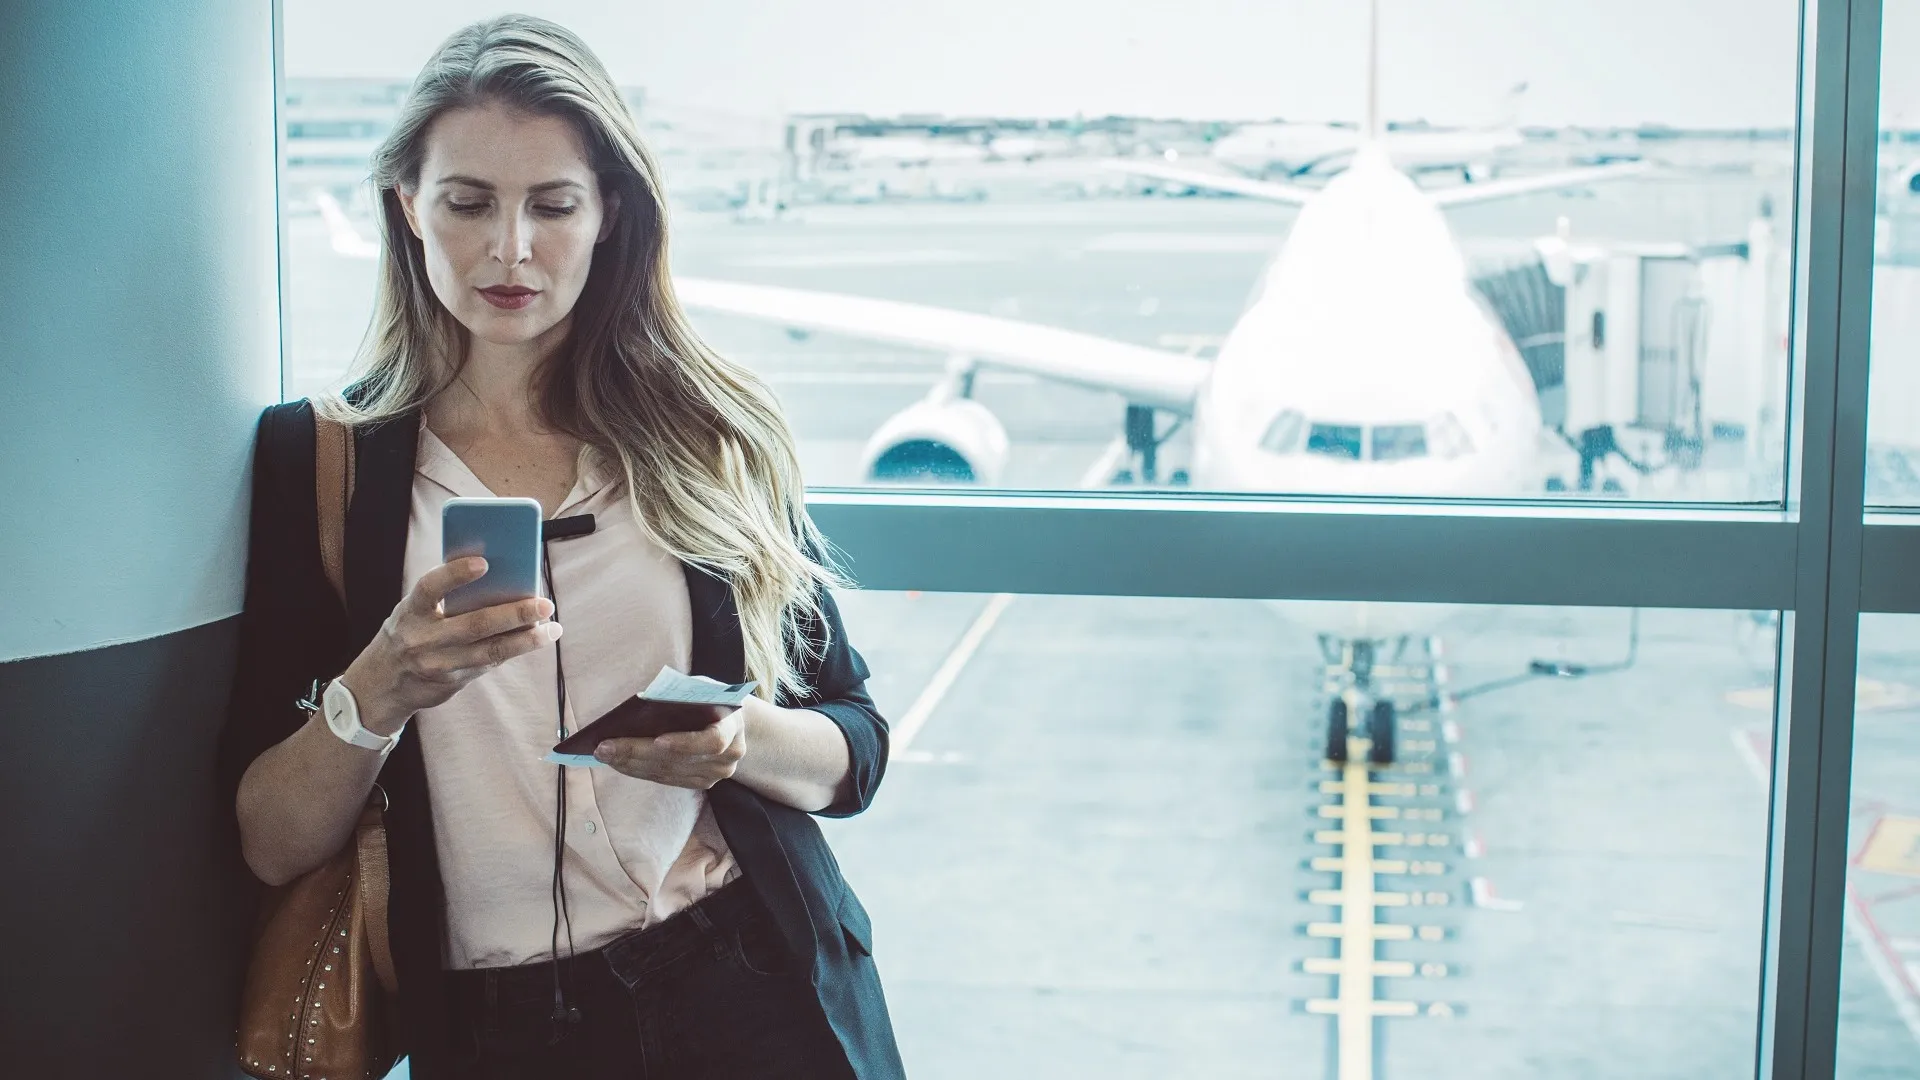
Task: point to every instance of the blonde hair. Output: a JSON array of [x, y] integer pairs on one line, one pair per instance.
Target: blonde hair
[[711, 470]]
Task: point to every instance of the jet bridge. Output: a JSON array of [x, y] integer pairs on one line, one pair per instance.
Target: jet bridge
[[1663, 356]]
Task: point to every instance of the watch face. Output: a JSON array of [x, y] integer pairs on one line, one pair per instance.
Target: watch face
[[343, 715]]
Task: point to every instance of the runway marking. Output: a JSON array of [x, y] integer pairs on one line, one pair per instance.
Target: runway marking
[[1485, 897], [1893, 847], [1358, 967], [1870, 695], [1901, 983], [1355, 1005], [915, 718], [1106, 464], [1874, 946], [936, 689]]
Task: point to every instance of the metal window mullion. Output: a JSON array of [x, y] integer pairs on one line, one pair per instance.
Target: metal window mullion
[[1147, 547], [1813, 741]]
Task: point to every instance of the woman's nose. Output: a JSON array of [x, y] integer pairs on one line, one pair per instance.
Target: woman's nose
[[513, 243]]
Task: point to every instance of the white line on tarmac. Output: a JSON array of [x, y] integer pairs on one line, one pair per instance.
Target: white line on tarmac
[[1903, 1003], [1105, 465], [936, 689], [943, 679]]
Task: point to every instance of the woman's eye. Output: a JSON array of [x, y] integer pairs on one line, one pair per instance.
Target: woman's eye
[[467, 208], [555, 211]]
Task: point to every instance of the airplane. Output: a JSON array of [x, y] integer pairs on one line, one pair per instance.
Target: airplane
[[1296, 150], [1366, 363], [341, 235]]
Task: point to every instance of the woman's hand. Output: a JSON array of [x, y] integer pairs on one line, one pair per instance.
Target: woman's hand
[[421, 657], [688, 759]]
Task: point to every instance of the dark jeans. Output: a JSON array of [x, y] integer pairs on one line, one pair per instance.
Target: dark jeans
[[709, 994]]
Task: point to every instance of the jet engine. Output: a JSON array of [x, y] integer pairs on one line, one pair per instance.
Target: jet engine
[[946, 437]]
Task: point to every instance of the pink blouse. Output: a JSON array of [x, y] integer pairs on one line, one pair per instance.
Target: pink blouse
[[636, 851]]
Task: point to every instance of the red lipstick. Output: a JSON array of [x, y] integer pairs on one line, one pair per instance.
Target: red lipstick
[[510, 297]]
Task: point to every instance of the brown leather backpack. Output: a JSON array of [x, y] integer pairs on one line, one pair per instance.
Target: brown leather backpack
[[318, 1000]]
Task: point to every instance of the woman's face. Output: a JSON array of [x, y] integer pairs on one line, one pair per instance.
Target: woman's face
[[508, 211]]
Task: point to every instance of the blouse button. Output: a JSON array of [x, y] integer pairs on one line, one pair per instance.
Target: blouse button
[[591, 827]]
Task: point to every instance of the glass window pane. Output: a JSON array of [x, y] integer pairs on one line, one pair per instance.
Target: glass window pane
[[1880, 968], [1086, 255], [1335, 440], [1893, 414], [1111, 843]]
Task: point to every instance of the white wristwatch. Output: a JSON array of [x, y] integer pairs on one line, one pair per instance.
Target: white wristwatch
[[343, 719]]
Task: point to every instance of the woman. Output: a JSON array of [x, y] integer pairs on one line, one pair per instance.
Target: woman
[[527, 342]]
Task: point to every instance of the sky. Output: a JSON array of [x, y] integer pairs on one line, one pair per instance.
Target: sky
[[1689, 63]]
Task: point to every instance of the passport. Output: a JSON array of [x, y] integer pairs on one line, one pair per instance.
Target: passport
[[671, 702]]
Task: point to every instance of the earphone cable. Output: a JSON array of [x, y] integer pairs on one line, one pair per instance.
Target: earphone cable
[[558, 891]]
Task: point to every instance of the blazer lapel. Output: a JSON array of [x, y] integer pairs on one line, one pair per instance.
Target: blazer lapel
[[720, 653]]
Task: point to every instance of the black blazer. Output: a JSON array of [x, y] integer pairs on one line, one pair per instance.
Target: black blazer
[[294, 631]]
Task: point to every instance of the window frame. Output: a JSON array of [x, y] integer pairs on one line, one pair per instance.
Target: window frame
[[1818, 558]]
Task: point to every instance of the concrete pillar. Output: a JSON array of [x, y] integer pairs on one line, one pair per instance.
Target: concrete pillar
[[139, 338]]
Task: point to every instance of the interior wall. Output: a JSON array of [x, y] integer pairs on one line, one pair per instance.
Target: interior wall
[[137, 216]]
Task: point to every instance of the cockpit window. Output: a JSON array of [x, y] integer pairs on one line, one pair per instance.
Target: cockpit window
[[1450, 439], [1283, 435], [1398, 442], [1441, 437], [1336, 440]]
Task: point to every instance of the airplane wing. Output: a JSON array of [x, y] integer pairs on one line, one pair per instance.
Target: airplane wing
[[1490, 190], [1232, 185], [1444, 198], [346, 239], [1143, 376]]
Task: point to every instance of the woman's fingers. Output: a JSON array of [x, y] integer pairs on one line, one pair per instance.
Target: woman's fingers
[[691, 759], [707, 742], [490, 621], [435, 584], [458, 660]]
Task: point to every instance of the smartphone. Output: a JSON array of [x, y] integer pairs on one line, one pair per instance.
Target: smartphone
[[505, 532]]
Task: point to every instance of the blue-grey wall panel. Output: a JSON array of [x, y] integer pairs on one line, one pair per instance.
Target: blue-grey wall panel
[[124, 918], [142, 336]]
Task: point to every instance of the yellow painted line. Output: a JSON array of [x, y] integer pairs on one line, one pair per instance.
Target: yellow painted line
[[1354, 1016], [1893, 847], [903, 733]]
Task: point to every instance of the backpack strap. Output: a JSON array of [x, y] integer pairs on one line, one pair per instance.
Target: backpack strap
[[333, 493]]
